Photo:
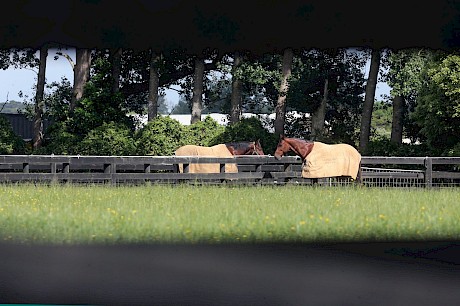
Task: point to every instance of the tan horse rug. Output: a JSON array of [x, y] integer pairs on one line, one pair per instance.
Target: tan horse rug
[[331, 160], [219, 150]]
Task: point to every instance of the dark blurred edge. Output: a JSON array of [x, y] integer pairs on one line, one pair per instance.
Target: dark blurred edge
[[242, 274]]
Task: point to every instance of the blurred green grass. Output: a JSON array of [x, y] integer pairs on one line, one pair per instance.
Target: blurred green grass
[[56, 214]]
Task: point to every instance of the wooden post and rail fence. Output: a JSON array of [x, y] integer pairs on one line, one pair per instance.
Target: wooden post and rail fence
[[381, 171]]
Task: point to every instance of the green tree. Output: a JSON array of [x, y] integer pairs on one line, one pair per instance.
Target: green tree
[[405, 77], [438, 107], [182, 107], [332, 77], [162, 107]]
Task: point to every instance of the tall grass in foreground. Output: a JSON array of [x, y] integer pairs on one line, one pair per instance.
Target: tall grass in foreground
[[209, 214]]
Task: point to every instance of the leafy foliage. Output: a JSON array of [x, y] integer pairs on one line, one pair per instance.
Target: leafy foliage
[[98, 107], [10, 143], [429, 81], [382, 146], [59, 140], [346, 84], [18, 58], [161, 136], [99, 104], [203, 132], [438, 107], [381, 119], [407, 76], [108, 139]]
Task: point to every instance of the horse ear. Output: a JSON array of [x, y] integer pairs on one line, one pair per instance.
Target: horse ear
[[282, 136]]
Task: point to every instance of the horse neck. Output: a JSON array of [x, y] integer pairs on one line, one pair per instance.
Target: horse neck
[[301, 147], [242, 150], [239, 148]]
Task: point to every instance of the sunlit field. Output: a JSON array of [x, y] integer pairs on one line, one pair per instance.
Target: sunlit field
[[211, 214]]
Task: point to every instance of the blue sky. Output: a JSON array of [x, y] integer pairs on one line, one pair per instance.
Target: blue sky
[[12, 81]]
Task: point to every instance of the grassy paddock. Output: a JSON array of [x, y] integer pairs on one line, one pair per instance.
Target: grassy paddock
[[199, 214]]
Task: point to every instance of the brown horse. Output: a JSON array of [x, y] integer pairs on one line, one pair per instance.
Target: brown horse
[[245, 148], [221, 150], [322, 160]]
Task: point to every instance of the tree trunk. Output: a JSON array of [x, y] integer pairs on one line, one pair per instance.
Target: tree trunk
[[236, 99], [318, 117], [281, 103], [81, 74], [39, 103], [116, 69], [397, 123], [154, 82], [197, 99], [368, 105]]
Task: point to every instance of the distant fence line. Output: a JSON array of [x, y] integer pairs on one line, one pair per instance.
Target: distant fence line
[[376, 171]]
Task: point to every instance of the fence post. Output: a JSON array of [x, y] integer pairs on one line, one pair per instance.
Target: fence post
[[66, 169], [112, 169], [428, 172], [53, 171]]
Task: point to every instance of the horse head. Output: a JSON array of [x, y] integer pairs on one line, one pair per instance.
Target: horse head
[[282, 148], [299, 146]]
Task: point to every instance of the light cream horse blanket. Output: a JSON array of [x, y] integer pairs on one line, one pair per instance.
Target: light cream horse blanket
[[219, 150], [331, 160]]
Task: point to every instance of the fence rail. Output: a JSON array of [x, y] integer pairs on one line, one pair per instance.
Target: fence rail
[[376, 171]]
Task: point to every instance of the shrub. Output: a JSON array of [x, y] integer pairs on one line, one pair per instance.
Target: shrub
[[202, 133], [59, 141], [455, 151], [161, 136], [382, 146], [108, 139], [10, 143]]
